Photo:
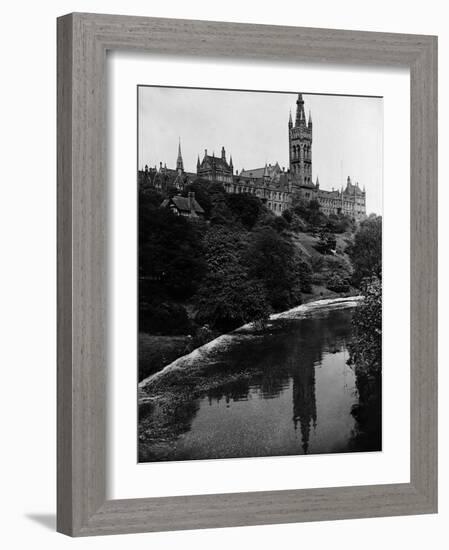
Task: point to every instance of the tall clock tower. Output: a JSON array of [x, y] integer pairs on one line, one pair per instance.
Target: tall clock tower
[[300, 146]]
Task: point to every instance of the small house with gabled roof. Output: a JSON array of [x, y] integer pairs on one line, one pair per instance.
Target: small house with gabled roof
[[184, 206]]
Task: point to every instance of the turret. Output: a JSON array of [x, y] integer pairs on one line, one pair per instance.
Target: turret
[[266, 174], [223, 154]]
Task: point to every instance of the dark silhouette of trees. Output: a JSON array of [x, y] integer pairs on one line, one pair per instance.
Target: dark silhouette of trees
[[170, 251], [228, 297], [245, 208], [365, 356], [273, 260]]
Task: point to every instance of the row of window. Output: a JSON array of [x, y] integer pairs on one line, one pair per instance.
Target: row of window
[[259, 192], [276, 207]]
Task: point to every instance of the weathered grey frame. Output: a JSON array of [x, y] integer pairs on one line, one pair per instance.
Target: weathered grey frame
[[83, 40]]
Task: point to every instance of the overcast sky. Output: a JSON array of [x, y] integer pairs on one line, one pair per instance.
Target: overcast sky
[[252, 126]]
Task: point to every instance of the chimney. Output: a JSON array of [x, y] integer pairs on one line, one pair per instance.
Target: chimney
[[191, 197]]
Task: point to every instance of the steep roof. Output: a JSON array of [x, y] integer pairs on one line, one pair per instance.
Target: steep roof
[[255, 173], [183, 204], [220, 164], [273, 171]]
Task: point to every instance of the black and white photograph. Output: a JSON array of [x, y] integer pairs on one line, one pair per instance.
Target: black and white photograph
[[259, 273]]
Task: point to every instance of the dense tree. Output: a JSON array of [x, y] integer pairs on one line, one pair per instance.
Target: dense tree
[[272, 259], [170, 251], [365, 356], [288, 216], [339, 223], [310, 212], [366, 348], [149, 198], [228, 298], [246, 208], [366, 251]]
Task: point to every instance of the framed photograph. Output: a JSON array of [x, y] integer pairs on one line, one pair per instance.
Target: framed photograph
[[247, 282]]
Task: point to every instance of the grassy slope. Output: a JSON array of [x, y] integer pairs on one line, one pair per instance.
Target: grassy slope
[[323, 265]]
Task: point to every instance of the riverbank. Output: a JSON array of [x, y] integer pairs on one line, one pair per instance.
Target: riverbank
[[205, 352], [155, 352], [276, 363]]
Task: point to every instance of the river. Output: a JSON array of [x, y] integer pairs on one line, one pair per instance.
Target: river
[[284, 390]]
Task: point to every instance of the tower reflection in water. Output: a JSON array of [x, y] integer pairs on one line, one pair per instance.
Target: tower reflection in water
[[286, 391]]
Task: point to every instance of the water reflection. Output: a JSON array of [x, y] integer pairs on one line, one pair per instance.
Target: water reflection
[[282, 392]]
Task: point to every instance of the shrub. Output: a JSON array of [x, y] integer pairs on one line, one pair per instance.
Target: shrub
[[366, 347], [326, 243], [335, 283], [366, 251], [165, 318]]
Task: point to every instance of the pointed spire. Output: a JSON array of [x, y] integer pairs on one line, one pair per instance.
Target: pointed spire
[[230, 161], [179, 161], [300, 115], [223, 153], [198, 163], [290, 121], [310, 118], [317, 181]]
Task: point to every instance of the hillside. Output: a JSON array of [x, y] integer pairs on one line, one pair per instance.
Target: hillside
[[237, 263], [324, 267]]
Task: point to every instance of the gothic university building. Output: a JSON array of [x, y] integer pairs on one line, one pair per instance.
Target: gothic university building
[[274, 185]]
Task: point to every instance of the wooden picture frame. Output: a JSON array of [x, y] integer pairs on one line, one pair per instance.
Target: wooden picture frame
[[83, 40]]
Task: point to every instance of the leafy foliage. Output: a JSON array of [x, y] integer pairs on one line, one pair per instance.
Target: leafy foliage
[[366, 251], [339, 223], [245, 207], [337, 284], [366, 348], [228, 298], [327, 242], [365, 355], [163, 317], [170, 251], [238, 265], [272, 260], [310, 212]]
